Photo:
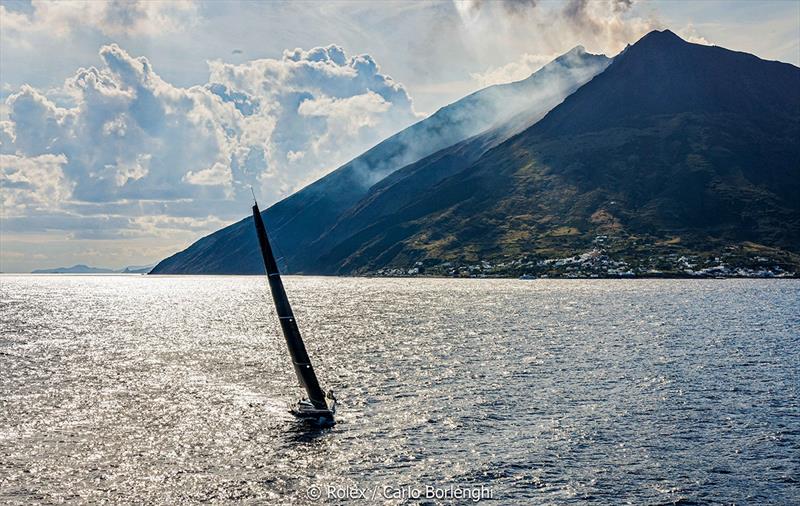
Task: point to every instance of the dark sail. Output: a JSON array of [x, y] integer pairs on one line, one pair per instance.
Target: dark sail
[[302, 364]]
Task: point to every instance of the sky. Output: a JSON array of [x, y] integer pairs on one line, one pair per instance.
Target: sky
[[128, 130]]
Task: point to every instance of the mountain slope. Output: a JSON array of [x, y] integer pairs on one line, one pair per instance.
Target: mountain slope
[[549, 85], [300, 219], [676, 149]]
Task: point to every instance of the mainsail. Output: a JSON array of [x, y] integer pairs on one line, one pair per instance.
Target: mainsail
[[297, 350]]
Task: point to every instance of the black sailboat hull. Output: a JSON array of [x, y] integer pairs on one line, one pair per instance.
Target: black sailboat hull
[[309, 414]]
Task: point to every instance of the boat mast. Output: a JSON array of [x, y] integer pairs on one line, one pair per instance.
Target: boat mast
[[297, 350]]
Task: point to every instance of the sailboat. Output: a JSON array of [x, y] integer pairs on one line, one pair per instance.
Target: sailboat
[[315, 408]]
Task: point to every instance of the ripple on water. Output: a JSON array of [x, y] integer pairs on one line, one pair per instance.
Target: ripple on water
[[174, 389]]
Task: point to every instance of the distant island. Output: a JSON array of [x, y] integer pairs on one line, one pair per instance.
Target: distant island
[[85, 269]]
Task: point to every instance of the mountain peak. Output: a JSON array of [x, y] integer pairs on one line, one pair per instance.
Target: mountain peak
[[660, 38], [577, 56], [663, 74]]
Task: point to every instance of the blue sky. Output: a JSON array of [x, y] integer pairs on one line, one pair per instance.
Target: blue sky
[[129, 130]]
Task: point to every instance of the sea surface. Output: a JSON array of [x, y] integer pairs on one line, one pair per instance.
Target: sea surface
[[174, 390]]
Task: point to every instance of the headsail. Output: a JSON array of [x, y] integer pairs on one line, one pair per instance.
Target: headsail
[[297, 350]]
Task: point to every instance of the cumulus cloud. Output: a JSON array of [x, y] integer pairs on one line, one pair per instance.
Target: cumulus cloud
[[32, 184], [324, 108], [128, 134], [118, 140]]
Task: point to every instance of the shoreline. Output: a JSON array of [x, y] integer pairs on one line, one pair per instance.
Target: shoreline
[[420, 276]]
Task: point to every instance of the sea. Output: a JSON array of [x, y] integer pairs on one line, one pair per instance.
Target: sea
[[135, 389]]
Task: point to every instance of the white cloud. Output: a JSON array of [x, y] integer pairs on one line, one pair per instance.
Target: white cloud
[[164, 226], [117, 145], [349, 117], [131, 170], [128, 133], [294, 156], [111, 18], [32, 184], [217, 175]]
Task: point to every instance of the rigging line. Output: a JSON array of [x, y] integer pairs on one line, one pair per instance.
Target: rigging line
[[285, 222], [274, 244], [277, 248], [281, 256]]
